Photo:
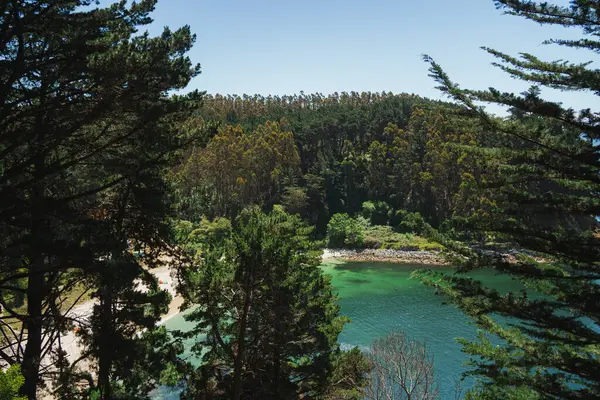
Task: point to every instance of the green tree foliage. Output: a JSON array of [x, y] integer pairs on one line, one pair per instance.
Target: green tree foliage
[[377, 213], [344, 231], [196, 237], [295, 200], [87, 130], [389, 167], [349, 377], [548, 180], [266, 321], [10, 383], [352, 148], [408, 222], [237, 169]]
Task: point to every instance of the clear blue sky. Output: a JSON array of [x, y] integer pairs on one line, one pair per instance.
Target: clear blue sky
[[283, 47]]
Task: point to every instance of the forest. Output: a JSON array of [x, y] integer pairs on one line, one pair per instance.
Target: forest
[[110, 170]]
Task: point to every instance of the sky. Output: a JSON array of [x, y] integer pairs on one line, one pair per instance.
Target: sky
[[284, 47]]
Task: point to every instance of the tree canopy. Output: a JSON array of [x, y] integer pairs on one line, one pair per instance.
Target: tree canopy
[[266, 318], [547, 184], [87, 130]]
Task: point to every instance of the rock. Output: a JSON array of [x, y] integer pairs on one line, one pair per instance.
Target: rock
[[388, 255]]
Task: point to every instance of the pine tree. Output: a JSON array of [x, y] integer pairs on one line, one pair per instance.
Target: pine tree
[[87, 126], [266, 319], [544, 205]]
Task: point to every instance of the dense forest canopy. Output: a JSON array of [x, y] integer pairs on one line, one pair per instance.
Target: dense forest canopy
[[106, 176], [352, 147]]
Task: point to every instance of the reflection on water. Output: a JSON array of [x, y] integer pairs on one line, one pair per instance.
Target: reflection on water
[[380, 297]]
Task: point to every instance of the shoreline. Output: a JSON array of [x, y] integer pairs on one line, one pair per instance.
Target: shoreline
[[174, 306], [386, 255]]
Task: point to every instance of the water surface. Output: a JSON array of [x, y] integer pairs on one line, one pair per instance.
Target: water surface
[[380, 297]]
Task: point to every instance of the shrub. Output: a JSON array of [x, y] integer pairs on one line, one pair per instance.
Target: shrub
[[195, 236], [10, 382], [368, 208], [383, 237], [295, 200], [344, 231], [376, 236], [408, 222], [377, 213], [217, 229]]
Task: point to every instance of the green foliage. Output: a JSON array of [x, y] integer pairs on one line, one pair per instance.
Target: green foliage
[[216, 230], [350, 375], [512, 393], [95, 395], [239, 168], [377, 213], [195, 237], [265, 311], [383, 237], [170, 376], [10, 383], [88, 129], [368, 209], [344, 231], [542, 201], [400, 151], [408, 222], [295, 200]]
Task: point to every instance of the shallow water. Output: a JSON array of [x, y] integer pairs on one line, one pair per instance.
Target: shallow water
[[380, 297]]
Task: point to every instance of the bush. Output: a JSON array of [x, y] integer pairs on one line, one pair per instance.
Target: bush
[[376, 236], [344, 231], [383, 237], [215, 230], [377, 213], [195, 236], [295, 200], [10, 383], [408, 222], [350, 375]]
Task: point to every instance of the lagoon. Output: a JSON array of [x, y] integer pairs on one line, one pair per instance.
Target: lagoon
[[381, 297]]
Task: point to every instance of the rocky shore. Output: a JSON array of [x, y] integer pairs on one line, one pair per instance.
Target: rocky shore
[[386, 255]]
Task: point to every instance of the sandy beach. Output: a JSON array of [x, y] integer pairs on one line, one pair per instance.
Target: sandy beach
[[82, 312]]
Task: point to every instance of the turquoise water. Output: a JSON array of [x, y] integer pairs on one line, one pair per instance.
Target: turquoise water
[[380, 297]]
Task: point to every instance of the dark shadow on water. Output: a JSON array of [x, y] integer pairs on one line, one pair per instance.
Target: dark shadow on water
[[381, 266], [358, 281]]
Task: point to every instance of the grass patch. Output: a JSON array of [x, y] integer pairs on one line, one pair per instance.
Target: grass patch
[[383, 237], [78, 295]]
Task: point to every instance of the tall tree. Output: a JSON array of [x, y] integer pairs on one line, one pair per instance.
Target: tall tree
[[268, 316], [84, 115], [549, 176], [237, 169]]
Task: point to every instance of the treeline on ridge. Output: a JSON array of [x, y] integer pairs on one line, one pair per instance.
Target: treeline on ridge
[[321, 155]]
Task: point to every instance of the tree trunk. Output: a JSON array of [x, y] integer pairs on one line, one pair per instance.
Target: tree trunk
[[30, 366], [108, 297], [105, 350], [239, 359], [33, 349]]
